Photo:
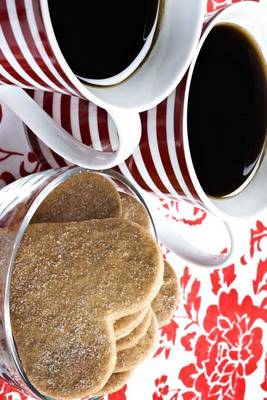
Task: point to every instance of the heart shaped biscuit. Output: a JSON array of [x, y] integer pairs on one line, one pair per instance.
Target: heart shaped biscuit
[[125, 325], [135, 335], [115, 382], [70, 282], [81, 197], [131, 358], [134, 211], [166, 301]]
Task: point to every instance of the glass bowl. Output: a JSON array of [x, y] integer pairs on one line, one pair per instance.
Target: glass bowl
[[18, 203]]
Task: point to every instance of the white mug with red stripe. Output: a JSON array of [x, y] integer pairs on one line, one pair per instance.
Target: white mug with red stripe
[[162, 163], [30, 57]]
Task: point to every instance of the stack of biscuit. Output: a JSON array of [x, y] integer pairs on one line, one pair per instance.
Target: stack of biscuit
[[89, 290]]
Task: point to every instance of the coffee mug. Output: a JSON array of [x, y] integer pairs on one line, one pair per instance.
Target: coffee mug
[[162, 164], [30, 57], [117, 48]]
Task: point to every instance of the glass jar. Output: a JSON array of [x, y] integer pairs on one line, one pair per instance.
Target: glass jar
[[18, 203]]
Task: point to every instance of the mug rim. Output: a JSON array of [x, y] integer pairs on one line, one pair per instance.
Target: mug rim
[[206, 199], [134, 65], [90, 92], [58, 176], [61, 59]]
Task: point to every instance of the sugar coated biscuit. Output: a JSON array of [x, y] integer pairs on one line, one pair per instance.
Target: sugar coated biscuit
[[134, 211], [131, 358], [82, 197], [125, 325], [57, 356], [70, 282], [166, 301], [115, 383], [133, 338]]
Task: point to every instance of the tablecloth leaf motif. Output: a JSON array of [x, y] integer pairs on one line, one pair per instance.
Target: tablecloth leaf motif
[[219, 278], [162, 388], [7, 393], [168, 336], [264, 383], [119, 395], [27, 163], [186, 341], [36, 165], [214, 5], [179, 211], [260, 282], [257, 235], [5, 154], [6, 178]]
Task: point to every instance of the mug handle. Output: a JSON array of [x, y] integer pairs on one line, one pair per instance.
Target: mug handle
[[182, 247], [168, 233], [128, 125]]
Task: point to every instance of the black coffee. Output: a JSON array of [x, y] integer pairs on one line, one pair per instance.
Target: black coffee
[[100, 38], [227, 110]]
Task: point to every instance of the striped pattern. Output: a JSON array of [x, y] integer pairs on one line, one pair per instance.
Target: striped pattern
[[27, 60], [26, 57], [83, 120], [158, 165]]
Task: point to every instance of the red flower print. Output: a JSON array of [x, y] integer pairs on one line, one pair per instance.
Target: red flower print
[[119, 395], [228, 351], [221, 277], [260, 283], [170, 331], [192, 303], [5, 154], [182, 211], [214, 5], [168, 339], [164, 250], [10, 393], [6, 177], [186, 341], [28, 164], [185, 278], [198, 217], [37, 165], [256, 237], [162, 389], [264, 383]]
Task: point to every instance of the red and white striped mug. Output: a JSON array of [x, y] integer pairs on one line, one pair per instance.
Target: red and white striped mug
[[162, 163], [31, 58]]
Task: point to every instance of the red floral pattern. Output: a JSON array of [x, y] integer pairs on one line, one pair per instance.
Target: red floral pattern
[[220, 278], [215, 348], [228, 351], [181, 212], [167, 340], [28, 164], [214, 5], [162, 388], [119, 395], [264, 383], [9, 393]]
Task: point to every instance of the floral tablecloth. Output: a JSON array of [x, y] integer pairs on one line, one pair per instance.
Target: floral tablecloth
[[215, 348]]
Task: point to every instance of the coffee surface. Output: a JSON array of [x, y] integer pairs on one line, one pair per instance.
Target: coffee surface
[[101, 38], [227, 110]]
